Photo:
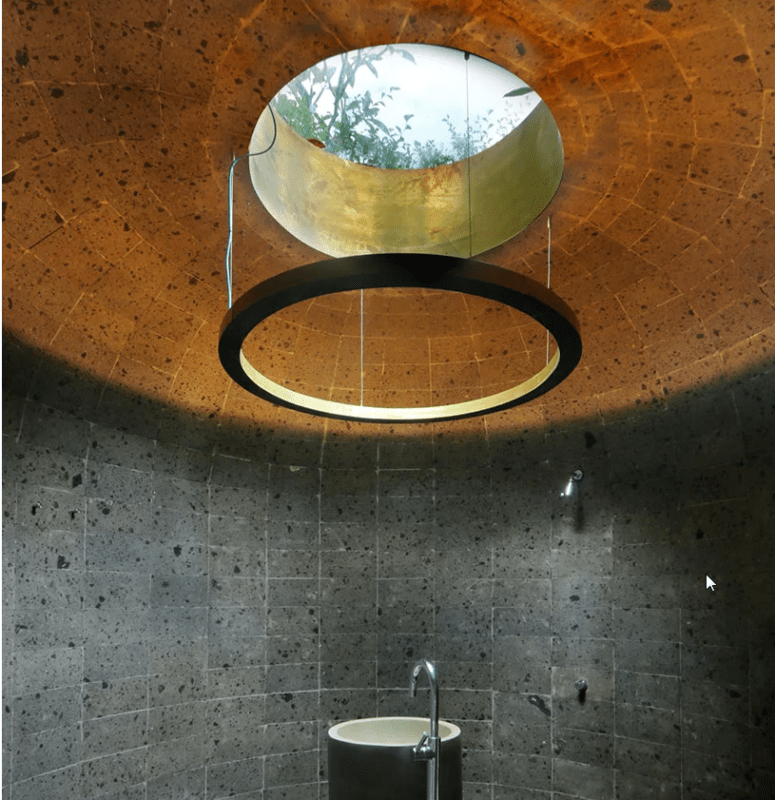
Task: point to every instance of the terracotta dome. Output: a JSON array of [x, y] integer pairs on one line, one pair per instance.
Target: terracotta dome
[[120, 125]]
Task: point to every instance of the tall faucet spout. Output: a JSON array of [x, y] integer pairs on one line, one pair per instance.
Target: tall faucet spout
[[429, 747], [430, 669]]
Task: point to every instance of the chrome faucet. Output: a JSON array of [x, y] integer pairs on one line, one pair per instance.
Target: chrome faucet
[[429, 747]]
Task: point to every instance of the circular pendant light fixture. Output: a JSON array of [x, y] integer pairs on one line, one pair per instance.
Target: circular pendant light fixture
[[402, 214], [399, 270]]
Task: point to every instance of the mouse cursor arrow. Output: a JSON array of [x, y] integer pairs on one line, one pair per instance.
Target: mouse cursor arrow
[[709, 584]]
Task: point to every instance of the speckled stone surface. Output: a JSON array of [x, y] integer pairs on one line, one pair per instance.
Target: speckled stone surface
[[196, 583]]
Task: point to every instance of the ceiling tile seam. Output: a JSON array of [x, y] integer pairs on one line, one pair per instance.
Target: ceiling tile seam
[[91, 49], [61, 225]]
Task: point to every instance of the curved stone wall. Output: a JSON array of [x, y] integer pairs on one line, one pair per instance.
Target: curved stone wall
[[188, 608]]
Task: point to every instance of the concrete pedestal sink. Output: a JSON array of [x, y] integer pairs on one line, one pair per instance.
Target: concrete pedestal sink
[[373, 759]]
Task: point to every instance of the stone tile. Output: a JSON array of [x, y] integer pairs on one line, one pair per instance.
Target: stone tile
[[718, 700], [240, 531], [646, 624], [344, 536], [347, 675], [521, 563], [191, 781], [294, 591], [572, 652], [236, 778], [656, 591], [523, 771], [522, 723], [57, 784], [592, 623], [642, 787], [113, 734], [722, 664], [45, 710], [41, 751], [648, 723], [725, 740], [52, 628], [245, 592], [656, 761], [570, 592], [584, 747], [105, 663], [566, 560], [585, 780], [296, 792], [54, 589], [520, 622], [289, 769], [595, 716], [108, 698], [660, 691], [230, 562], [701, 773], [175, 722]]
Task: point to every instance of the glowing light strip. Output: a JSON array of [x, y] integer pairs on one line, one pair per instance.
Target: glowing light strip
[[332, 408]]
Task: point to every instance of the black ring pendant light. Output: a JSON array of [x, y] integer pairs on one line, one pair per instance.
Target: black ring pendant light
[[399, 270]]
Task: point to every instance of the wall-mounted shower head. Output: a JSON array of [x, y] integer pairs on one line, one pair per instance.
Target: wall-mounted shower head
[[576, 477]]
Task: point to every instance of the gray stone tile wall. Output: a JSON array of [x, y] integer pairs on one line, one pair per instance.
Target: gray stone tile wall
[[183, 620]]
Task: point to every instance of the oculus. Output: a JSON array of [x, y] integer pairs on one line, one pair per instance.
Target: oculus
[[406, 148]]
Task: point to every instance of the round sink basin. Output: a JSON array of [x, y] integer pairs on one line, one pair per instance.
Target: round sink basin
[[373, 759]]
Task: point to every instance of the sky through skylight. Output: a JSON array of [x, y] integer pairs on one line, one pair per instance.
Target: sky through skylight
[[414, 89]]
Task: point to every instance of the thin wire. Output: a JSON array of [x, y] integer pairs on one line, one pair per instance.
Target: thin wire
[[361, 347], [230, 240], [548, 273], [468, 164]]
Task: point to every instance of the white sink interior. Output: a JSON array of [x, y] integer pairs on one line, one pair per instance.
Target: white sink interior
[[389, 731]]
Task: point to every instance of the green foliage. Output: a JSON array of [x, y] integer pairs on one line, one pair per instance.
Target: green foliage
[[353, 130]]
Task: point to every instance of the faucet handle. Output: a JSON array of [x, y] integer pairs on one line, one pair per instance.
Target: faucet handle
[[422, 750]]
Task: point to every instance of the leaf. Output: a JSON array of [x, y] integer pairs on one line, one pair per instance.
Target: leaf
[[517, 92], [381, 125], [407, 117], [372, 70]]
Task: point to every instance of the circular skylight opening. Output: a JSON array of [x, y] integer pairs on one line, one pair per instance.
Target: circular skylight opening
[[406, 148], [407, 106]]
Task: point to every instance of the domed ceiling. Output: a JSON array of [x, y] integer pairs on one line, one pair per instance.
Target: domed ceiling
[[121, 121]]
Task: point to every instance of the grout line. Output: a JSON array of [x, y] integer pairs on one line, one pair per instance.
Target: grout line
[[321, 723], [680, 701]]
